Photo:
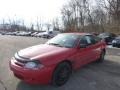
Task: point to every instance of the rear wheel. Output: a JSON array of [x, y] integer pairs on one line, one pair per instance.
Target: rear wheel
[[118, 46], [113, 45], [61, 74], [102, 56]]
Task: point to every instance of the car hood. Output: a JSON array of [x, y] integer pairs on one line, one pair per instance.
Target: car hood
[[41, 50]]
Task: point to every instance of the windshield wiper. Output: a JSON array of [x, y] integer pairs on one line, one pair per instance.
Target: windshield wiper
[[56, 44]]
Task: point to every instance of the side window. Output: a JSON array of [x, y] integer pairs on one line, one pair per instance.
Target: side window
[[90, 39], [83, 41]]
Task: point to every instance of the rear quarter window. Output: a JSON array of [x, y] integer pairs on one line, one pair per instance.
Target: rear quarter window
[[94, 39]]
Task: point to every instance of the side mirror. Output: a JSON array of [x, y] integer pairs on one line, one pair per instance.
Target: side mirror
[[83, 45]]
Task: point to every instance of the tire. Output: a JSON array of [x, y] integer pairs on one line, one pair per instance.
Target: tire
[[118, 46], [47, 37], [113, 45], [61, 74], [102, 56]]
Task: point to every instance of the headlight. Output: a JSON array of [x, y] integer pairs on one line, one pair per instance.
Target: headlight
[[30, 65], [33, 65]]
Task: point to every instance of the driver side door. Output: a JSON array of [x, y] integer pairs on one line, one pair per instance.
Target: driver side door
[[83, 55]]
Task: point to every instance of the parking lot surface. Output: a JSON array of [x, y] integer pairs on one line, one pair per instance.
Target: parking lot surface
[[95, 76]]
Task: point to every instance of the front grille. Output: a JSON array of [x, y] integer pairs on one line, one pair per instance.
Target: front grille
[[20, 58], [19, 64], [20, 61]]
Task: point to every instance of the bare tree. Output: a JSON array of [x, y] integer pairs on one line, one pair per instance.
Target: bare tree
[[112, 7], [32, 27], [66, 17], [39, 25], [56, 24], [99, 18], [48, 26], [75, 14], [3, 24]]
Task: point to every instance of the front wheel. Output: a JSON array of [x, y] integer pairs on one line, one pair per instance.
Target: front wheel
[[61, 74]]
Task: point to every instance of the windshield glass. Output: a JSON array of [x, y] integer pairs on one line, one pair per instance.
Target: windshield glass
[[64, 40]]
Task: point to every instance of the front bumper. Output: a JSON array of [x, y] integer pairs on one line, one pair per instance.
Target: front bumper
[[40, 76]]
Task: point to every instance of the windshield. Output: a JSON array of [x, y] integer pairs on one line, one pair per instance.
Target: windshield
[[64, 40]]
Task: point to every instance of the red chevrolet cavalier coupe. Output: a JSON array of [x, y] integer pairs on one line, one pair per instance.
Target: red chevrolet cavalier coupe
[[54, 61]]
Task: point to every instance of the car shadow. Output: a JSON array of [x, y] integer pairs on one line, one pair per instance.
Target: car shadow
[[83, 79]]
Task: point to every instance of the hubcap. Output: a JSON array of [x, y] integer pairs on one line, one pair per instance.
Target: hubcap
[[63, 75]]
